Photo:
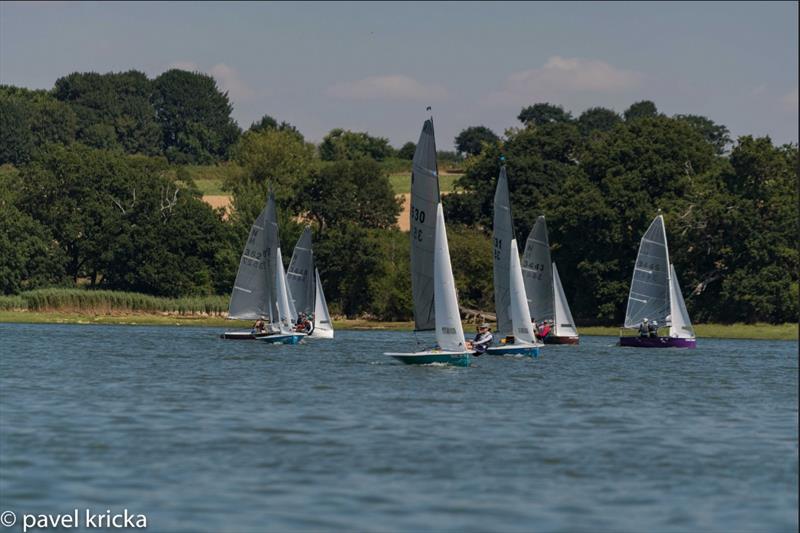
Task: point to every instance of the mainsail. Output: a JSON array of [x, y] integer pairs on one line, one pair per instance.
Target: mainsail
[[537, 273], [503, 233], [520, 316], [563, 324], [323, 327], [680, 325], [300, 277], [649, 294], [449, 333], [252, 291], [424, 201]]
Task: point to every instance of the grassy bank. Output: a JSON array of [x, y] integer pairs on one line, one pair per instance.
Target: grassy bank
[[720, 331]]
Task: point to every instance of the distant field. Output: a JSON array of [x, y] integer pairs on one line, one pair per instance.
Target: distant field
[[210, 178], [401, 182]]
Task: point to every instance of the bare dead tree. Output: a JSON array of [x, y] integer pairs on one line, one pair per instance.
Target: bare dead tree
[[168, 203], [122, 208]]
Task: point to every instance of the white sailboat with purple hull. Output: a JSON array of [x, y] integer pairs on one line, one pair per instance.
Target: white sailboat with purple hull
[[655, 296]]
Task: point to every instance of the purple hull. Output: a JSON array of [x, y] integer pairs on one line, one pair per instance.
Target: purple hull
[[657, 342]]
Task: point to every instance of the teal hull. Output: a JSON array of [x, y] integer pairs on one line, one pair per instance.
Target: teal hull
[[281, 338], [530, 351], [427, 358]]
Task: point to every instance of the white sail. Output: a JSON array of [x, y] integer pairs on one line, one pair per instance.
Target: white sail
[[323, 327], [449, 333], [649, 294], [520, 316], [680, 325], [563, 324], [284, 310]]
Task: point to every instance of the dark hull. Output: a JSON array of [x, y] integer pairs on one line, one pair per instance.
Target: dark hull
[[560, 340], [657, 342], [242, 335]]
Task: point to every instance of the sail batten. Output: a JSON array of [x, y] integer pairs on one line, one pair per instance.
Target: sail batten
[[424, 201]]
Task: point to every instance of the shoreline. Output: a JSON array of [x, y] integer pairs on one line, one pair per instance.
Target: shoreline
[[784, 332]]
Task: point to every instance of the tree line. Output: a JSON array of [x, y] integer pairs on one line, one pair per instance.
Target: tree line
[[94, 192]]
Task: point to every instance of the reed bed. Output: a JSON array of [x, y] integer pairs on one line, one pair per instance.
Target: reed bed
[[109, 302]]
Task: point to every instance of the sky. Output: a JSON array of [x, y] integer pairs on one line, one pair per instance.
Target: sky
[[376, 66]]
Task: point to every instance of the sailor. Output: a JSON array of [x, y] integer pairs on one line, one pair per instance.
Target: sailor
[[481, 341], [546, 327], [653, 329], [259, 327], [644, 328]]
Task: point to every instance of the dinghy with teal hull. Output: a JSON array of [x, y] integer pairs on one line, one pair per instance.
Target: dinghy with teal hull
[[253, 295], [432, 286], [283, 338]]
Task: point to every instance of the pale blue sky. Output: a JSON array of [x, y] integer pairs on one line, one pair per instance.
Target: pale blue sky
[[376, 66]]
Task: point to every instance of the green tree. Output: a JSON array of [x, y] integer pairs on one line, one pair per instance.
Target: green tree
[[543, 113], [597, 119], [407, 151], [355, 192], [17, 141], [268, 123], [270, 159], [112, 110], [643, 109], [716, 134], [195, 117], [341, 144], [471, 140]]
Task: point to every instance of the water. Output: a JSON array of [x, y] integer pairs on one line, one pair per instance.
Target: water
[[201, 434]]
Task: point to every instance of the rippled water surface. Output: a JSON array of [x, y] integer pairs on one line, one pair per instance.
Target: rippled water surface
[[202, 434]]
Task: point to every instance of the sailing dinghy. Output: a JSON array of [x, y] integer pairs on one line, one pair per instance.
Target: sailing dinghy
[[255, 292], [524, 336], [546, 298], [513, 321], [655, 295], [432, 285], [306, 290]]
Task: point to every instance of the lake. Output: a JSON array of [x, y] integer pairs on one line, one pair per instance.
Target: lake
[[201, 434]]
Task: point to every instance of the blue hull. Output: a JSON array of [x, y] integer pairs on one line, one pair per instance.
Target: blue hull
[[280, 338], [530, 351]]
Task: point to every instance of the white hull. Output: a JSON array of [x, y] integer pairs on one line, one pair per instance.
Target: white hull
[[321, 334]]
